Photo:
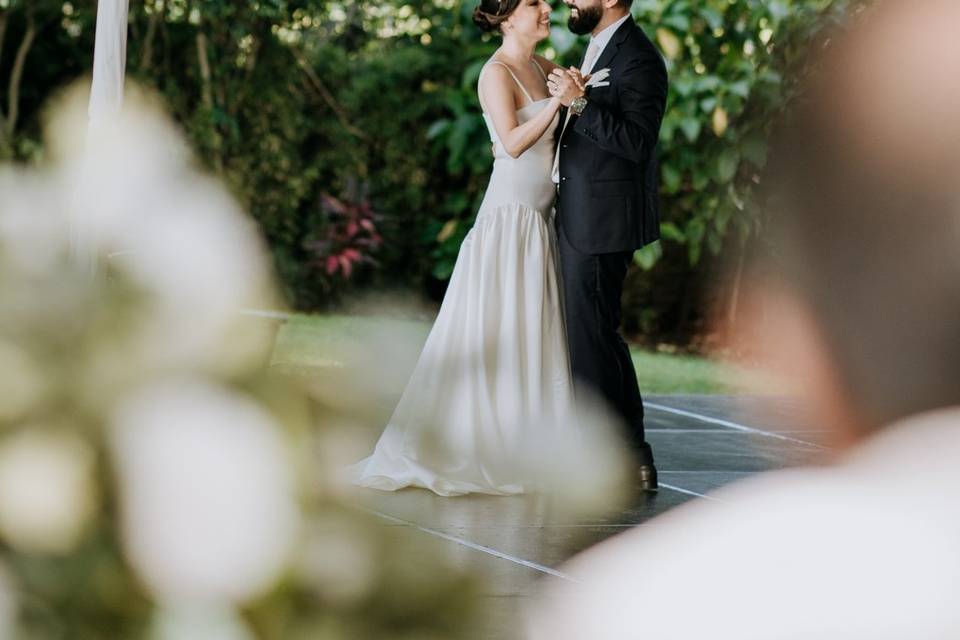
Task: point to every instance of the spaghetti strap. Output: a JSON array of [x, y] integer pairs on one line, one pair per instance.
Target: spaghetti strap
[[539, 68], [515, 79]]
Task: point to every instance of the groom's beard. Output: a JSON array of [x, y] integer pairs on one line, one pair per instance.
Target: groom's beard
[[586, 20]]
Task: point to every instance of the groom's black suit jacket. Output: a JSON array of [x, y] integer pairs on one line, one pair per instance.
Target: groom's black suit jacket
[[608, 195]]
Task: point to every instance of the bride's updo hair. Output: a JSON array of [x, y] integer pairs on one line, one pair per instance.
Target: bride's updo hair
[[490, 14]]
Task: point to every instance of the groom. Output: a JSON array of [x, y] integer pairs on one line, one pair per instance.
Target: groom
[[606, 175]]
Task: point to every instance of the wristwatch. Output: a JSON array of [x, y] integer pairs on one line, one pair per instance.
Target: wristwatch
[[578, 105]]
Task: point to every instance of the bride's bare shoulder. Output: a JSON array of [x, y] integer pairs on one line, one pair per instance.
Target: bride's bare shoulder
[[495, 87], [495, 76]]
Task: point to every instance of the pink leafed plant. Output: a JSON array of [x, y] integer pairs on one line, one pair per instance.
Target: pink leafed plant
[[349, 239]]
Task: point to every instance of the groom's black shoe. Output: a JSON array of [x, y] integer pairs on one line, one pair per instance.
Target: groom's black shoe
[[647, 477]]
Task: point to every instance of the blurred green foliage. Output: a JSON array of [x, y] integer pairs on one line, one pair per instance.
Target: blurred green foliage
[[375, 104], [734, 66]]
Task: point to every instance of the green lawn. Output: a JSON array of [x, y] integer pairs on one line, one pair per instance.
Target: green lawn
[[317, 342], [667, 373]]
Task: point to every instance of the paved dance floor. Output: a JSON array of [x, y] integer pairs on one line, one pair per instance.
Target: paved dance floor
[[700, 443]]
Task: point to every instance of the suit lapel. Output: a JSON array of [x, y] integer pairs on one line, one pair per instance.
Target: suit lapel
[[608, 54], [610, 51]]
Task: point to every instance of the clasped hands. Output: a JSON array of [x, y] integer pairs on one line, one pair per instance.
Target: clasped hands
[[567, 84]]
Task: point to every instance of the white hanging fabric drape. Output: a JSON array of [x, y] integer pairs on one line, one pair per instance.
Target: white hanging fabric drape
[[109, 61], [106, 99]]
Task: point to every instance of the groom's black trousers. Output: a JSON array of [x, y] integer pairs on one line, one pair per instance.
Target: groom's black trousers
[[599, 357]]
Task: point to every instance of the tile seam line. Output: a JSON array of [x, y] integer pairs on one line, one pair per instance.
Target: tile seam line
[[473, 545], [500, 554], [730, 425], [689, 492]]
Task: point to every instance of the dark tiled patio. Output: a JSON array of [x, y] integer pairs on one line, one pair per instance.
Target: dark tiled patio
[[701, 443]]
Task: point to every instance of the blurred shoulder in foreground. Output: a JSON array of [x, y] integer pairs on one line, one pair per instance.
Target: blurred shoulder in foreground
[[860, 272]]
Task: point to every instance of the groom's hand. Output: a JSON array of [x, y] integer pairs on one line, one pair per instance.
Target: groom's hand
[[566, 85], [579, 78]]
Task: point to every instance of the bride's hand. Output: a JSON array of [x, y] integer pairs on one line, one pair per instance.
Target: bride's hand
[[565, 86], [580, 79]]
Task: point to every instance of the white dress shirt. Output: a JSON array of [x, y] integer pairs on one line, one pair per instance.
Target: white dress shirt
[[603, 38]]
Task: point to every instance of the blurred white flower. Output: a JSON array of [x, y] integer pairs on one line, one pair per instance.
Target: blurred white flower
[[46, 490], [21, 382], [199, 623], [32, 231], [337, 444], [202, 261], [117, 170], [578, 456], [363, 371], [137, 198], [8, 605], [33, 256], [339, 561], [209, 507]]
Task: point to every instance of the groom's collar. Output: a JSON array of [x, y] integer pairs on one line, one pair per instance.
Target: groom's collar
[[604, 37]]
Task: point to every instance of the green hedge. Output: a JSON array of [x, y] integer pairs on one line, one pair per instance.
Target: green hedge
[[376, 106]]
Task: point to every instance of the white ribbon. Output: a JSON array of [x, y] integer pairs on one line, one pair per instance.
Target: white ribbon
[[109, 61], [106, 100]]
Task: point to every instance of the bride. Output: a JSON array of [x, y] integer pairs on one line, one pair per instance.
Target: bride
[[493, 382]]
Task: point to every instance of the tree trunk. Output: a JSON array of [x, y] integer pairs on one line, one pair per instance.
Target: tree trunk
[[734, 303], [4, 150], [3, 31], [206, 93], [146, 55], [16, 73], [325, 94]]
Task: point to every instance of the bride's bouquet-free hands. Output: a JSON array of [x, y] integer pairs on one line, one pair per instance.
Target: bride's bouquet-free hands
[[563, 80], [595, 79]]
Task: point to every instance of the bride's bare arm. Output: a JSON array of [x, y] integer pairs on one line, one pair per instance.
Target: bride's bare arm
[[496, 94]]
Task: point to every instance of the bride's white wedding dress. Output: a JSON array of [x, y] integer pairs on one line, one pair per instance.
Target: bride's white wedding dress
[[494, 375]]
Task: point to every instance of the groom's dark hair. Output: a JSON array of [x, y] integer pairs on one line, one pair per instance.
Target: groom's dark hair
[[865, 216]]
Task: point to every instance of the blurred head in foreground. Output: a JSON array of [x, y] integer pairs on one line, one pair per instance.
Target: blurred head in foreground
[[858, 283], [861, 269]]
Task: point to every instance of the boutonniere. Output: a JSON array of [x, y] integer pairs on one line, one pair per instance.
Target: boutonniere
[[598, 78]]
